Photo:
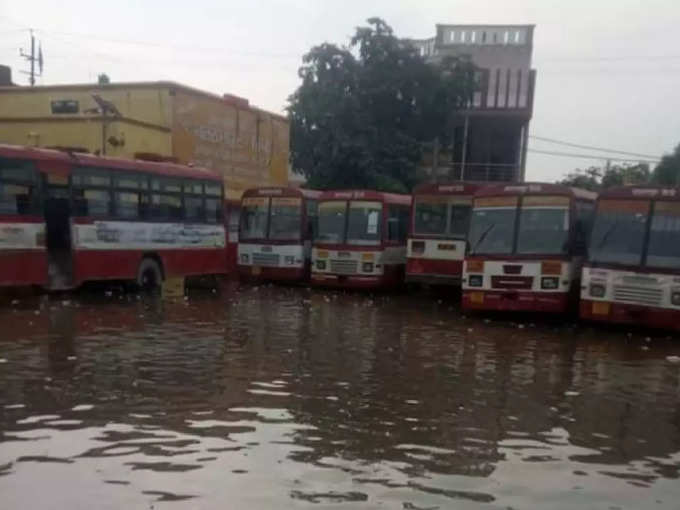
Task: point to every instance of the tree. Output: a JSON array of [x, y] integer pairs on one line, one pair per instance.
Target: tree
[[598, 178], [360, 116], [667, 172], [103, 79]]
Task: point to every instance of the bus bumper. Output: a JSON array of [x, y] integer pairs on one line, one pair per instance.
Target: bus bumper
[[550, 302], [281, 274], [350, 282], [621, 313], [434, 272]]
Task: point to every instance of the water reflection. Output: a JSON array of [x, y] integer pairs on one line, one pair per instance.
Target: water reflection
[[268, 397]]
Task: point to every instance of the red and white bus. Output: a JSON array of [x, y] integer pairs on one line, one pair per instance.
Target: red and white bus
[[275, 235], [68, 218], [440, 218], [526, 247], [632, 274], [361, 239]]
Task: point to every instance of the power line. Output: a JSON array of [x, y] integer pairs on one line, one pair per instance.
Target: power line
[[592, 156], [590, 147]]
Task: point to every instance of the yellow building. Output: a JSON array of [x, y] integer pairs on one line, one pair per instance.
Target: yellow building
[[248, 146]]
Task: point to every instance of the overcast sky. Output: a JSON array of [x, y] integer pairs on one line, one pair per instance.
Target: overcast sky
[[608, 71]]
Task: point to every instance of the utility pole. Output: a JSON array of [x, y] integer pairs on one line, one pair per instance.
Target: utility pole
[[33, 59]]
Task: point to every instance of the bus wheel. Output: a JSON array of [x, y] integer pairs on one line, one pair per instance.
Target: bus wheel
[[149, 275]]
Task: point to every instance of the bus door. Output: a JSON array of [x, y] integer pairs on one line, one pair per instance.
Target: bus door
[[58, 232]]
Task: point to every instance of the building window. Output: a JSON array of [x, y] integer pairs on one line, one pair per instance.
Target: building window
[[452, 36], [473, 37], [483, 37], [65, 106], [517, 37]]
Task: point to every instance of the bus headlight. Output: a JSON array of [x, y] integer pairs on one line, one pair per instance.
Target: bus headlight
[[321, 265], [367, 267], [597, 290], [244, 258], [289, 260], [675, 298], [475, 280], [550, 282]]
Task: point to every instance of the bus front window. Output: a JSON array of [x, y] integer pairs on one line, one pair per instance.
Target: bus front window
[[331, 222], [543, 225], [430, 215], [363, 225], [254, 214], [664, 236], [619, 232], [492, 230], [286, 219]]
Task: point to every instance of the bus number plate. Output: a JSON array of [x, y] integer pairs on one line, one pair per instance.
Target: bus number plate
[[256, 270], [600, 308], [477, 297]]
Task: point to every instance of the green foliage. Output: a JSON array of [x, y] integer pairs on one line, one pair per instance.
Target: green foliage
[[598, 178], [667, 172], [103, 79], [362, 112]]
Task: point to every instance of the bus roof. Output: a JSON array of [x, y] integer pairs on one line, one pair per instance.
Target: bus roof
[[83, 159], [534, 188], [642, 192], [358, 194], [448, 188], [282, 191]]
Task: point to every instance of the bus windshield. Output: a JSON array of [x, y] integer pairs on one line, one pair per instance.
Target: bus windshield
[[254, 213], [664, 236], [363, 225], [286, 219], [619, 232], [492, 230], [543, 225], [441, 215], [332, 215]]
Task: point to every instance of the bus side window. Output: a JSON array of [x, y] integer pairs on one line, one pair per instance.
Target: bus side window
[[92, 192], [312, 219], [582, 226], [397, 223], [18, 187]]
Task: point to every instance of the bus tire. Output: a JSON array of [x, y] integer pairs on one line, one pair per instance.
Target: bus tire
[[149, 275]]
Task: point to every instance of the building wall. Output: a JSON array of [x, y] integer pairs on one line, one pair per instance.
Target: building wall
[[27, 118], [248, 146]]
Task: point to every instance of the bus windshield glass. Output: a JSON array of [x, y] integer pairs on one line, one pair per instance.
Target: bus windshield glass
[[492, 225], [363, 224], [664, 236], [254, 213], [286, 219], [619, 232], [331, 222], [543, 225], [441, 215]]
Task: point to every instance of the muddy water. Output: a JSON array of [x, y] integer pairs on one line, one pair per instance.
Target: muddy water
[[268, 398]]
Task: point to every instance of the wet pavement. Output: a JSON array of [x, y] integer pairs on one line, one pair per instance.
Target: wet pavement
[[270, 397]]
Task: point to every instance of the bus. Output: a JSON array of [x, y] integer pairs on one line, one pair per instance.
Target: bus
[[526, 247], [440, 218], [70, 218], [361, 239], [275, 234], [632, 274]]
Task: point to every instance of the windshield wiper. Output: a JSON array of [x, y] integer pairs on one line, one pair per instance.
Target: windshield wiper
[[482, 237]]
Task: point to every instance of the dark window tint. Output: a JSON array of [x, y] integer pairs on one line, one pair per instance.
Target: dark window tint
[[492, 230], [166, 207], [18, 191], [167, 185], [213, 189], [619, 232], [213, 210], [92, 202], [459, 220], [127, 205], [664, 236], [130, 182], [193, 208], [91, 178], [397, 223]]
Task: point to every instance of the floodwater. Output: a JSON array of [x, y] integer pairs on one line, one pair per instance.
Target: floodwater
[[270, 397]]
